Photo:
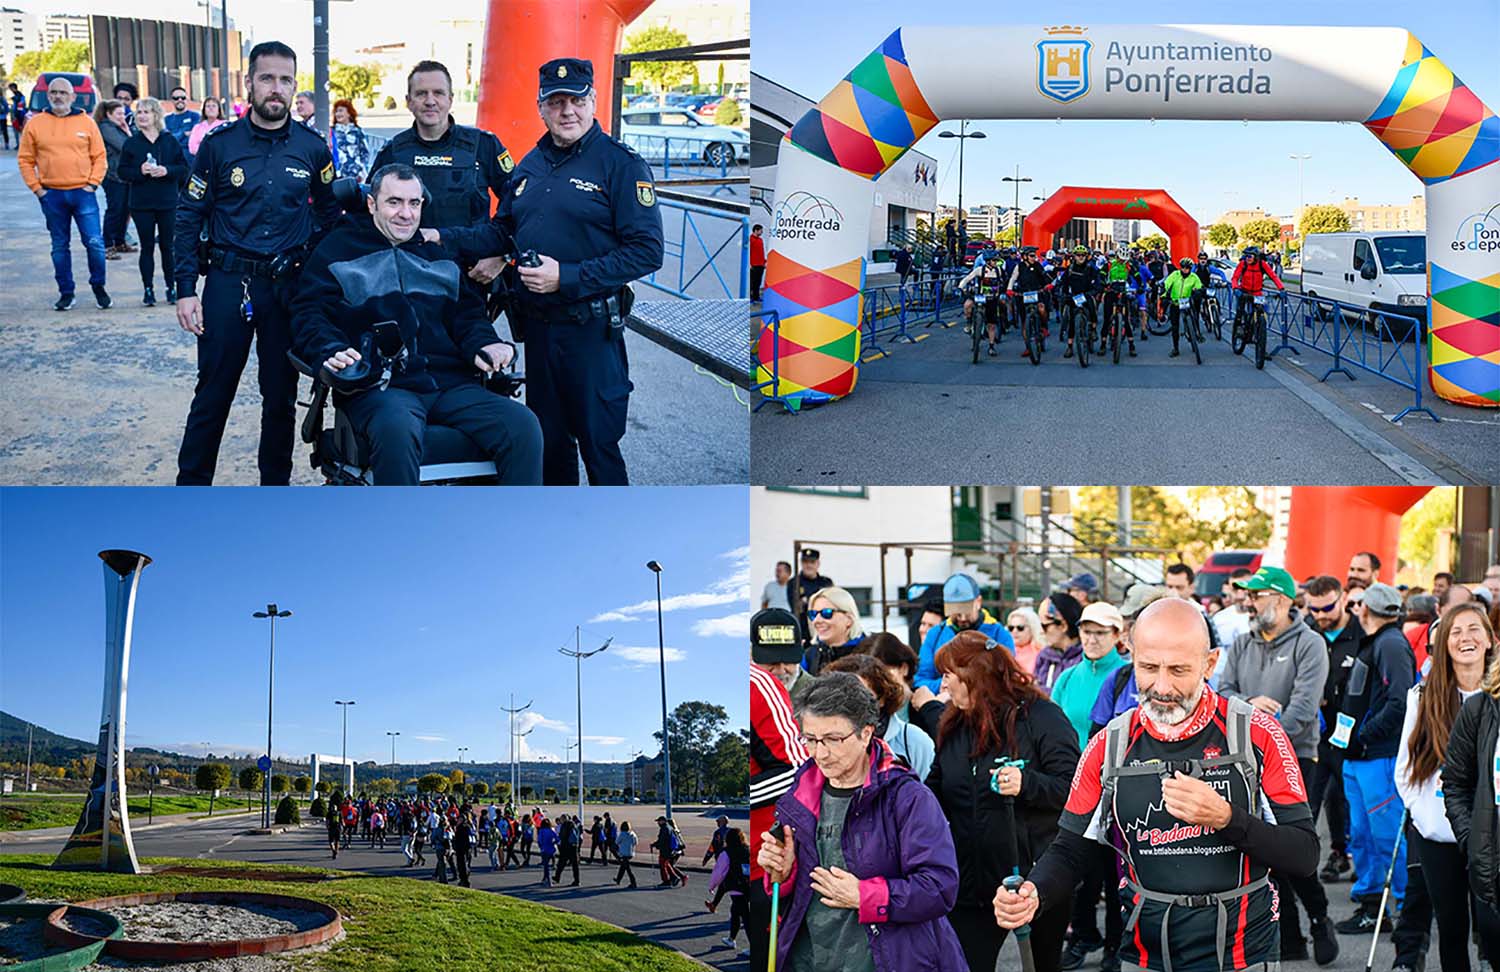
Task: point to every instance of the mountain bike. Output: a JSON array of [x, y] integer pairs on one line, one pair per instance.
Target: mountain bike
[[1031, 325], [1251, 327], [1188, 322], [1082, 327]]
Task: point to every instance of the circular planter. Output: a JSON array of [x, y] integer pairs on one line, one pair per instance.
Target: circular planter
[[79, 954], [12, 894], [197, 951]]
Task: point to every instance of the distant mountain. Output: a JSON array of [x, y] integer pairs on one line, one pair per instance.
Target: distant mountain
[[46, 746]]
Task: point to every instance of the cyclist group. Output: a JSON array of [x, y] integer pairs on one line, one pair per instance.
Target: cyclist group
[[1140, 293]]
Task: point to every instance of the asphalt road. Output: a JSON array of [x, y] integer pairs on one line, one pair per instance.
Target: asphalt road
[[673, 917], [925, 415], [99, 397]]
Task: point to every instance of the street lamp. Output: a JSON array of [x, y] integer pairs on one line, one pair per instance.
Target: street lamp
[[578, 657], [661, 654], [1020, 220], [272, 613], [393, 736], [514, 776], [515, 783], [344, 753], [1301, 200], [961, 134]]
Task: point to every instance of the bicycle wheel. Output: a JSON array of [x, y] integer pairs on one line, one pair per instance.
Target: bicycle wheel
[[1031, 330], [1083, 336], [1157, 323], [1260, 339], [975, 326], [1190, 325], [1239, 333], [1115, 327], [1214, 320]]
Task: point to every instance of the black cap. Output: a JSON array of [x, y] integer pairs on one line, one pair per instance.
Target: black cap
[[774, 637], [566, 75], [1068, 609], [808, 553]]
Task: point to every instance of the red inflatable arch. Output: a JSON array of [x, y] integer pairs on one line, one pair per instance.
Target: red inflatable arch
[[1329, 524], [1087, 201], [522, 35]]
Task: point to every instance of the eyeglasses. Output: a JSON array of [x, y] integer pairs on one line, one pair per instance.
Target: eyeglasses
[[813, 742], [824, 613], [179, 97], [1015, 627], [1325, 608], [1262, 595], [1049, 623]]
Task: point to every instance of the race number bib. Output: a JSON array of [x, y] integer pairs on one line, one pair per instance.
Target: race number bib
[[1029, 297], [1344, 729], [1260, 300], [1184, 302], [1078, 300]]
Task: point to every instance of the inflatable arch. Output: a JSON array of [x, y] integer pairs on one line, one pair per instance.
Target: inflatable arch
[[522, 35], [1330, 524], [1149, 204], [1381, 77]]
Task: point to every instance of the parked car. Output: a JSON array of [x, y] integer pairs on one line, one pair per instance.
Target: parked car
[[1369, 271], [85, 95], [653, 132], [1214, 574]]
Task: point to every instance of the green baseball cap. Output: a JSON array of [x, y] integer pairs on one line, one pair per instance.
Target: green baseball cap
[[1269, 579]]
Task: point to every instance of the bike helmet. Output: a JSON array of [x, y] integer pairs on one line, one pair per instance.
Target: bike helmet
[[1080, 250], [1251, 252], [1185, 263], [1052, 254]]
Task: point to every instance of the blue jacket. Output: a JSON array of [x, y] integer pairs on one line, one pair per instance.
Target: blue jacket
[[546, 841], [927, 673], [1110, 704]]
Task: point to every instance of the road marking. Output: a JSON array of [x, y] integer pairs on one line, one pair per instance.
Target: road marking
[[1390, 417], [1407, 467]]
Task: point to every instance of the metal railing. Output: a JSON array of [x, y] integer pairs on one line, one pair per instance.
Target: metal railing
[[697, 235], [892, 308], [688, 153], [769, 319], [1385, 344]]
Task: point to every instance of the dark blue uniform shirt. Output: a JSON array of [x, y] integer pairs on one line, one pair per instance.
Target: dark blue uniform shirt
[[456, 168], [592, 208], [252, 185]]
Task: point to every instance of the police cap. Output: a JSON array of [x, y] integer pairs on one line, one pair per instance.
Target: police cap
[[566, 75]]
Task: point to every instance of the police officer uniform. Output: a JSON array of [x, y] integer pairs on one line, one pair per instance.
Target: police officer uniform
[[460, 169], [247, 202], [592, 208]]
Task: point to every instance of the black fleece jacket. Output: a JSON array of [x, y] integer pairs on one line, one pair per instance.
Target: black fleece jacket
[[356, 278]]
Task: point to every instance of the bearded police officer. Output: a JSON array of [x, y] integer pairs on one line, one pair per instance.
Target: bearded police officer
[[246, 204], [458, 164]]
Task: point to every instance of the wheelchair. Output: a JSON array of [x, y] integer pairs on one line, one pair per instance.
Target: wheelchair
[[343, 457]]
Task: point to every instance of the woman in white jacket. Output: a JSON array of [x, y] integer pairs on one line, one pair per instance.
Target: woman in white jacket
[[1461, 651]]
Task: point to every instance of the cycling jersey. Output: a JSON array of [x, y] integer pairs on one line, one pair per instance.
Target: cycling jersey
[[1179, 285], [1078, 279], [1252, 278], [1165, 856], [1028, 276], [1118, 273]]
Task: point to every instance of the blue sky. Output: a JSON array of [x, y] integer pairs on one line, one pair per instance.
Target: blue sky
[[428, 607], [1206, 166]]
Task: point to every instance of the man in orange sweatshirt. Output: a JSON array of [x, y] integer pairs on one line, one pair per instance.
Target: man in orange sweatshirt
[[62, 160]]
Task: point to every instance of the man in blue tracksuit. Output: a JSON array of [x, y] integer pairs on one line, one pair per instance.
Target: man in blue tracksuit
[[1368, 729], [963, 603]]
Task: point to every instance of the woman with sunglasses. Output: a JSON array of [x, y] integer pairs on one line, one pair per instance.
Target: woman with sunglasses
[[1026, 631], [836, 630], [1002, 817], [1460, 688], [865, 861], [1061, 649]]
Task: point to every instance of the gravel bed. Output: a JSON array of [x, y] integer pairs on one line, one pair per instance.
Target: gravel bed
[[21, 940], [183, 921]]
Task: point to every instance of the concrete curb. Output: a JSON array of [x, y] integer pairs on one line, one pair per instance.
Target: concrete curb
[[197, 951], [175, 820]]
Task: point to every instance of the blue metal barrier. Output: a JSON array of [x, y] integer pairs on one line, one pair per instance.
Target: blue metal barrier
[[895, 307], [1385, 344], [687, 153], [677, 245], [771, 319]]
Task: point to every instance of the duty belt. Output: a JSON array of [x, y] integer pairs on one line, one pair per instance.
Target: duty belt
[[233, 262], [577, 313]]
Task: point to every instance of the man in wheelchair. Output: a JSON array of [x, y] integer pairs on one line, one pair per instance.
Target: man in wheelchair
[[383, 318]]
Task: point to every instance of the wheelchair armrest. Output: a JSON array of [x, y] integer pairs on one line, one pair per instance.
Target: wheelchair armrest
[[303, 366], [505, 383]]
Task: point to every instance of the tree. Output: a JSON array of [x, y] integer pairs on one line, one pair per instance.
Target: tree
[[501, 792], [302, 784], [27, 66], [250, 778], [1231, 520], [280, 783], [572, 793], [1265, 233], [1007, 236], [1422, 525], [286, 810], [455, 776], [726, 764], [1323, 219], [1222, 235], [212, 777], [693, 727], [728, 112], [659, 74], [1155, 241], [434, 783], [323, 787], [319, 807], [354, 81], [66, 55], [383, 785], [479, 788], [550, 793], [527, 791]]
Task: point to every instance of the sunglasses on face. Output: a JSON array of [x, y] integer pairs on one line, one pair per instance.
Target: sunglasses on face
[[1050, 623], [1015, 627], [824, 613], [1325, 608]]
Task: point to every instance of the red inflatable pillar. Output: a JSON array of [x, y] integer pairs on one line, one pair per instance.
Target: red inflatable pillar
[[1330, 524], [522, 35]]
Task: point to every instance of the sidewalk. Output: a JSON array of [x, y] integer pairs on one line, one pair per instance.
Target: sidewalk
[[42, 834]]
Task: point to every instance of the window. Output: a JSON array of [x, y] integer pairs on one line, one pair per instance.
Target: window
[[861, 597], [1362, 254], [678, 118], [847, 492]]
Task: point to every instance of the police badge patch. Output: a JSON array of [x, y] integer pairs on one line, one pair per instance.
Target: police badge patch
[[506, 162], [326, 173], [237, 177], [196, 186], [645, 194]]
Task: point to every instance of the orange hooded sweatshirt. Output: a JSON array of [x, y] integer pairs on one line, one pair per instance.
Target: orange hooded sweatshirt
[[61, 153]]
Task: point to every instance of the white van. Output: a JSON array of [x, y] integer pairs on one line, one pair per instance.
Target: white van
[[1378, 271]]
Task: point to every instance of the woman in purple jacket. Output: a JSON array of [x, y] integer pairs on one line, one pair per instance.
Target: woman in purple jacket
[[867, 868]]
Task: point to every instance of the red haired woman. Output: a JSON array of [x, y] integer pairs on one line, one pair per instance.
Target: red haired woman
[[1003, 817]]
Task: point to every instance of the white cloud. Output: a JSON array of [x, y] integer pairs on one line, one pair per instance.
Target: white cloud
[[530, 720], [604, 740], [729, 626], [639, 657], [730, 589], [431, 738]]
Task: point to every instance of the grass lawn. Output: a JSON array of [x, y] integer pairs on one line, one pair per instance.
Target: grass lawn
[[30, 811], [392, 924]]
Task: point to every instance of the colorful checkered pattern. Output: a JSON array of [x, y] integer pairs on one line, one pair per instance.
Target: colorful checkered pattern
[[1465, 347], [869, 121], [818, 344], [1433, 123]]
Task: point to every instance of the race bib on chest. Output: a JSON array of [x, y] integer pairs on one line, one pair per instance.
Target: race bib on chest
[[1343, 730]]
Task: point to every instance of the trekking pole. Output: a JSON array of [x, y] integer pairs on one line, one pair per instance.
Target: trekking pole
[[779, 832], [1385, 893], [1014, 881]]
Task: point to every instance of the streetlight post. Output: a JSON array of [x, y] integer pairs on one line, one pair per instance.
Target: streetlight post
[[514, 774], [1020, 220], [1301, 199], [661, 654], [271, 612], [515, 784], [962, 134], [344, 752], [578, 656], [393, 736]]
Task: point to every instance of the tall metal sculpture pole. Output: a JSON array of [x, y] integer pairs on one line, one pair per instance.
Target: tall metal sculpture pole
[[103, 830]]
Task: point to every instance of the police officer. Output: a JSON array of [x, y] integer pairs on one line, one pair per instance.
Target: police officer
[[247, 202], [586, 205], [459, 165]]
